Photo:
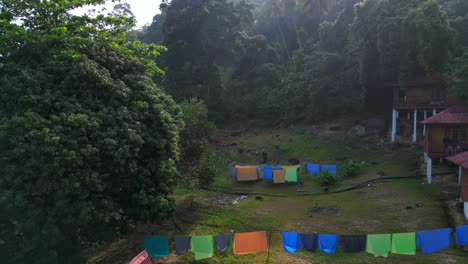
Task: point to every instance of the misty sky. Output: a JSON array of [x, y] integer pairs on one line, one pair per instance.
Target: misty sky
[[144, 10]]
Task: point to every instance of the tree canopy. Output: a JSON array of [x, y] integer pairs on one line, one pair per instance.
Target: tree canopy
[[88, 142]]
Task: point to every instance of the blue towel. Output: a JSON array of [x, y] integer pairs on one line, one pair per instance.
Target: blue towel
[[156, 246], [433, 240], [312, 169], [331, 168], [462, 235], [267, 174], [233, 173], [328, 243], [290, 242]]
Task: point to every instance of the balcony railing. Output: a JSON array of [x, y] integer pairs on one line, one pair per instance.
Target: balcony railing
[[421, 102], [454, 149]]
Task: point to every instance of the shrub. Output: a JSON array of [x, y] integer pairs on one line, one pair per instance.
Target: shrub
[[350, 168], [326, 178]]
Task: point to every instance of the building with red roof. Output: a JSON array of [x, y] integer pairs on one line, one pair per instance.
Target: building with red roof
[[447, 132], [447, 135], [461, 160]]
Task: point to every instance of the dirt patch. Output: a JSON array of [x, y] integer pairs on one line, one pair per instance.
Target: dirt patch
[[322, 211]]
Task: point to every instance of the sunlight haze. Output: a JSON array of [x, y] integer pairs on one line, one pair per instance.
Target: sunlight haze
[[144, 10]]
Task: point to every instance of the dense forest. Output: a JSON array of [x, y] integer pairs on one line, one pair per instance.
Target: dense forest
[[99, 122], [286, 61]]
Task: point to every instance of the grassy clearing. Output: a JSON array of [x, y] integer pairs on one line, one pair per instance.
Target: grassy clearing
[[396, 206]]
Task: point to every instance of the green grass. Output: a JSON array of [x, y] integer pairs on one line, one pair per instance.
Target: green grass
[[380, 208]]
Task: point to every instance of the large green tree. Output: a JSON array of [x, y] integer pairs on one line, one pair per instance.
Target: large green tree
[[202, 37], [88, 143], [397, 40]]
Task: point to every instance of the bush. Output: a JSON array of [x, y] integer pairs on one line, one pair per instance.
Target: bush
[[326, 178], [350, 168]]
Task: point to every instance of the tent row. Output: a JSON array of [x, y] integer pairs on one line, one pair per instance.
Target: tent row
[[276, 173], [379, 245]]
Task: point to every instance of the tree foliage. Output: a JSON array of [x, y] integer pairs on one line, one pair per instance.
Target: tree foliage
[[88, 143]]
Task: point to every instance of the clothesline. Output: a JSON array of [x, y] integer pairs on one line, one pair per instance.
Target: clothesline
[[380, 245]]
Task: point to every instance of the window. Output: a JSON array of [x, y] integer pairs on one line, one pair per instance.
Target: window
[[454, 135], [463, 135]]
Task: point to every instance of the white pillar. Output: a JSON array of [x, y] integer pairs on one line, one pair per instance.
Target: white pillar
[[459, 174], [434, 112], [394, 123], [424, 127], [415, 125], [429, 170], [465, 209], [409, 115]]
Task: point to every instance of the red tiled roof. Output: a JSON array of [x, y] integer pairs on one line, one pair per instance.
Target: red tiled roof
[[460, 159], [455, 115]]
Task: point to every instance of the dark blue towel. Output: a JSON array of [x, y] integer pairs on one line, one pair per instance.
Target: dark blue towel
[[290, 242], [462, 235], [312, 169], [353, 243], [182, 244], [309, 242], [433, 240], [328, 243], [222, 242]]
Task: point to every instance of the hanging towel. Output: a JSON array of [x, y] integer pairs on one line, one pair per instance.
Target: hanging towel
[[462, 235], [182, 244], [353, 243], [222, 242], [379, 245], [312, 169], [404, 243], [267, 173], [278, 176], [331, 168], [202, 246], [247, 173], [291, 174], [328, 243], [309, 242], [252, 242], [290, 242], [157, 246], [141, 258], [233, 173], [433, 240]]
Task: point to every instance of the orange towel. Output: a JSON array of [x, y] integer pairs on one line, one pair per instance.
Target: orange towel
[[247, 173], [279, 176], [252, 242]]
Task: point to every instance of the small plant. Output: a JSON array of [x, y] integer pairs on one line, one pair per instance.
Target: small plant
[[350, 168], [326, 179]]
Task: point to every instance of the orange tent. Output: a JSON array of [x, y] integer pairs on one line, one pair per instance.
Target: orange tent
[[247, 173], [252, 242], [279, 176]]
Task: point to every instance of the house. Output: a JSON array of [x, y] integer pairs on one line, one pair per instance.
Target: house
[[461, 160], [419, 98], [447, 135]]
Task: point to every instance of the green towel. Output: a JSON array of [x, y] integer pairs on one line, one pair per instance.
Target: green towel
[[157, 246], [291, 174], [404, 243], [202, 246], [379, 245]]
